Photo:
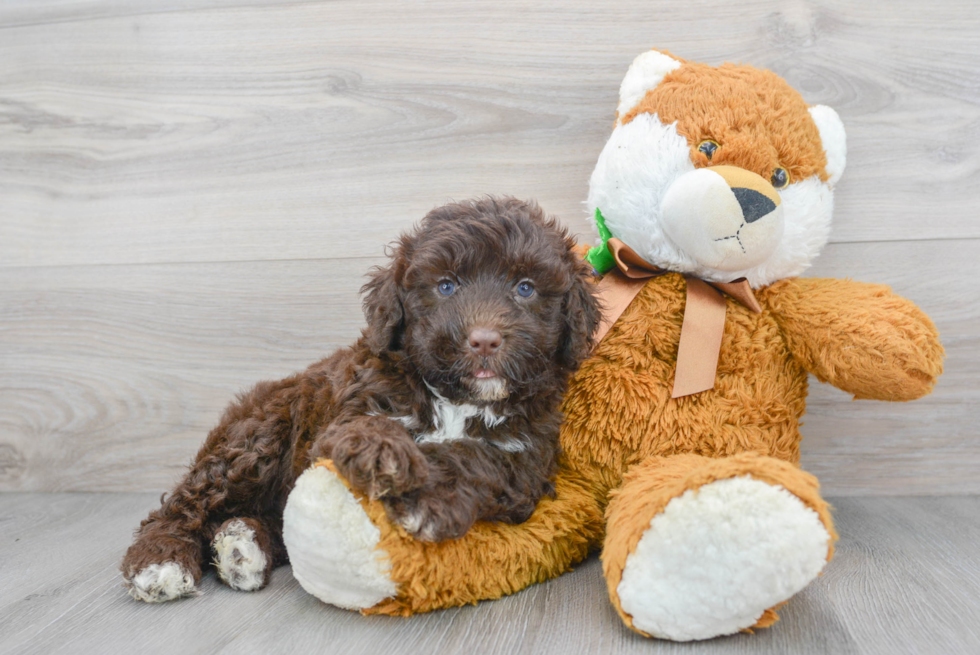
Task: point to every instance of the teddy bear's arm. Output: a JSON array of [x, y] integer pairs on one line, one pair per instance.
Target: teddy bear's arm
[[859, 337]]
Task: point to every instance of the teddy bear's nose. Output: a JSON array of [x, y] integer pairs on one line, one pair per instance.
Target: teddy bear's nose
[[754, 204]]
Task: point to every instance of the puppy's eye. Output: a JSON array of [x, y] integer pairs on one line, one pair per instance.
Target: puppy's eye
[[780, 178], [708, 148], [446, 287], [525, 289]]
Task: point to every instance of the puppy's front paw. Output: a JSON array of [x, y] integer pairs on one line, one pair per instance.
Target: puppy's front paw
[[428, 517], [379, 458]]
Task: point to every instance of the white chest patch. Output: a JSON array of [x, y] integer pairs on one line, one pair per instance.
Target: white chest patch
[[450, 419]]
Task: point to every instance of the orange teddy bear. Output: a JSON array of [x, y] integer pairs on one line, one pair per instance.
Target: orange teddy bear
[[681, 438]]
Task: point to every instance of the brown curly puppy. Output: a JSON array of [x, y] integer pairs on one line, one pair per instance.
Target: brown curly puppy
[[446, 407]]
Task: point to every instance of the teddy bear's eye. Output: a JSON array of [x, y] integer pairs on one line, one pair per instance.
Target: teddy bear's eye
[[708, 148], [780, 178]]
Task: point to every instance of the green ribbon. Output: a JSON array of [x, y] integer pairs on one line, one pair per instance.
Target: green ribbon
[[599, 256]]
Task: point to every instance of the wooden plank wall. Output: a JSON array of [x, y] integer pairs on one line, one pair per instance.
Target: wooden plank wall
[[191, 190]]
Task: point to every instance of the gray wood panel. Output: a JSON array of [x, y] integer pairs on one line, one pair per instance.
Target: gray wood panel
[[905, 580], [250, 130], [112, 375], [21, 13], [190, 191]]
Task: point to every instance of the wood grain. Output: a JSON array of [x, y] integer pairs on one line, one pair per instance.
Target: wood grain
[[191, 190], [899, 560], [238, 131], [905, 580], [110, 376], [114, 375]]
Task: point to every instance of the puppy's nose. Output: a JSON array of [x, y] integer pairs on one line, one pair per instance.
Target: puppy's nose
[[484, 342]]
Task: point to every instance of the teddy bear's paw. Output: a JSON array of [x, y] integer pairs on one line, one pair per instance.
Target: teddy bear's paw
[[158, 583], [238, 558], [332, 544], [717, 557]]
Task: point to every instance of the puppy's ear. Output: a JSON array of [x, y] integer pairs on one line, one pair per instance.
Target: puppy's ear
[[580, 318], [382, 304]]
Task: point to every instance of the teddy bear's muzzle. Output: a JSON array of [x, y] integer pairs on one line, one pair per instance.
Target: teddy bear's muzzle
[[726, 217]]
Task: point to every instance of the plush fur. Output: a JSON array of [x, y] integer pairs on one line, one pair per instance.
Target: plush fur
[[765, 125], [446, 410], [736, 528], [705, 519]]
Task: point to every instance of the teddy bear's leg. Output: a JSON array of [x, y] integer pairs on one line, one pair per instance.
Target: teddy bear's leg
[[244, 553], [332, 543], [344, 550], [699, 547]]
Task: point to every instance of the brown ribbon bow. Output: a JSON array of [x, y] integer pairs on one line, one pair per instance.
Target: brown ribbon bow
[[704, 315]]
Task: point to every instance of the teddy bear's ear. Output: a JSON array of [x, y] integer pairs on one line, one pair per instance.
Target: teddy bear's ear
[[833, 138], [645, 73]]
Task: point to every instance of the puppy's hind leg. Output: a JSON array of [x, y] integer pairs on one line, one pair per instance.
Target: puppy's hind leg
[[244, 553], [164, 563], [242, 469]]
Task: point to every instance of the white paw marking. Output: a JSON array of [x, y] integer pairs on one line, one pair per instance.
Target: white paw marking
[[238, 558], [716, 558], [411, 521], [159, 583]]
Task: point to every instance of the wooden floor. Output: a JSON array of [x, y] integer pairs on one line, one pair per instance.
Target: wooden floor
[[906, 579]]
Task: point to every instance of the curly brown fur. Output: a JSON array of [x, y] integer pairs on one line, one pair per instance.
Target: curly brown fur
[[487, 357]]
